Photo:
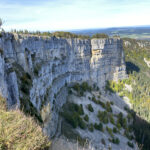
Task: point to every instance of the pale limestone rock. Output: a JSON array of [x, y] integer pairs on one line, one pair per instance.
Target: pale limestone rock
[[147, 62], [59, 62], [96, 136]]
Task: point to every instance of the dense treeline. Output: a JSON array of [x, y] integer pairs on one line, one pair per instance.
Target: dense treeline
[[56, 34], [140, 74], [100, 35], [139, 79], [60, 34]]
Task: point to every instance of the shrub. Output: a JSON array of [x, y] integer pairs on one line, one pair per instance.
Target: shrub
[[115, 130], [115, 141], [36, 69], [26, 79], [108, 87], [97, 88], [112, 86], [90, 108], [26, 83], [72, 119], [112, 103], [81, 123], [25, 89], [28, 108], [81, 88], [66, 84], [103, 141], [127, 134], [81, 93], [86, 118], [94, 86], [129, 117], [122, 121], [55, 95], [99, 127], [108, 107], [76, 108], [109, 130], [80, 110], [28, 75], [124, 124], [1, 51], [130, 144], [85, 86], [72, 114], [89, 98], [99, 96], [100, 93], [70, 91], [111, 118], [76, 87], [94, 99], [118, 125], [102, 104], [103, 116], [91, 128]]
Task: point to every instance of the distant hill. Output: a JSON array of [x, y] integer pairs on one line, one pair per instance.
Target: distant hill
[[136, 32]]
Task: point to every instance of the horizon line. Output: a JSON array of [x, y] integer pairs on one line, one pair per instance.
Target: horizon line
[[81, 29]]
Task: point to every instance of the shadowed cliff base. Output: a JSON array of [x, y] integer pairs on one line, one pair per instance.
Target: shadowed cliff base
[[142, 132]]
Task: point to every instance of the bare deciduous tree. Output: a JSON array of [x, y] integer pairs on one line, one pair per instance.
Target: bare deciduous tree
[[1, 22]]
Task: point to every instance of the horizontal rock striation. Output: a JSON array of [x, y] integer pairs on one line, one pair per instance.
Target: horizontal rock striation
[[52, 63]]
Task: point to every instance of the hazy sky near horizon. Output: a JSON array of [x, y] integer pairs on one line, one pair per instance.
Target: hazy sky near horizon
[[73, 14]]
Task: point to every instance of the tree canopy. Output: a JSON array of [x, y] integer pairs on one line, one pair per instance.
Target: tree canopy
[[100, 35]]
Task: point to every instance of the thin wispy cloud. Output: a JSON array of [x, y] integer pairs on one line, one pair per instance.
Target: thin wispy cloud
[[69, 14]]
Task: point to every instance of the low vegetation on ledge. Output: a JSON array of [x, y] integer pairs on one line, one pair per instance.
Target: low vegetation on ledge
[[18, 131], [100, 35], [87, 111]]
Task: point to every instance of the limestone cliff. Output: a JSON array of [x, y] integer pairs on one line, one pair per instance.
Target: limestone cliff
[[38, 69]]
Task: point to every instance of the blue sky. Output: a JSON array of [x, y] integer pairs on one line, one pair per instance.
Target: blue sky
[[73, 14]]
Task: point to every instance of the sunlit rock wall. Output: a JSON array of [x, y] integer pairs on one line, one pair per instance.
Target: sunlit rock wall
[[53, 63], [107, 61]]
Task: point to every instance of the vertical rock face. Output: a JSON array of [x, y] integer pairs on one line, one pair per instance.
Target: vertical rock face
[[107, 61], [53, 63]]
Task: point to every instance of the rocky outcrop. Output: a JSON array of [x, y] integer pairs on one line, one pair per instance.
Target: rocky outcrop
[[147, 62], [135, 43], [39, 69], [107, 61]]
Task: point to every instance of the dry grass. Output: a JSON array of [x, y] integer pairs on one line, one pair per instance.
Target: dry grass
[[19, 132]]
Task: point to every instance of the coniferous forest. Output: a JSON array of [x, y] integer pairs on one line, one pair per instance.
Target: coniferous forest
[[139, 79]]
